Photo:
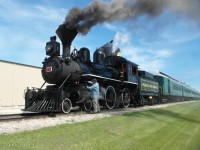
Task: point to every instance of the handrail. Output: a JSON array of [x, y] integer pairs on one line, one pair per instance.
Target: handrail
[[43, 85], [64, 81]]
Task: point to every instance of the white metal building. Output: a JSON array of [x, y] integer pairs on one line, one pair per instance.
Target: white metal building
[[14, 79]]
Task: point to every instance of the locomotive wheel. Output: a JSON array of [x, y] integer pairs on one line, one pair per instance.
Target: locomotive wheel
[[142, 101], [66, 106], [87, 106], [110, 97], [126, 98]]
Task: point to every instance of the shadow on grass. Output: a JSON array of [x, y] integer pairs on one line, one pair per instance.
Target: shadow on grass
[[165, 113]]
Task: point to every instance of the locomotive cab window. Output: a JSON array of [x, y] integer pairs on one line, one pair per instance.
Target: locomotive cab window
[[133, 70], [123, 67]]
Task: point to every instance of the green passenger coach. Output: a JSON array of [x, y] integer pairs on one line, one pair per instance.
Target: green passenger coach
[[173, 90]]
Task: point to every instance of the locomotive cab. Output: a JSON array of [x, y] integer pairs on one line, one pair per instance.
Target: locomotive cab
[[132, 72], [122, 68]]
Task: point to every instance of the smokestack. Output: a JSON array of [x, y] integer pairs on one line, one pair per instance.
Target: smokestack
[[66, 36]]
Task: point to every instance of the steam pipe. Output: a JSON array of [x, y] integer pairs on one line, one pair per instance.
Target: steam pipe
[[66, 50]]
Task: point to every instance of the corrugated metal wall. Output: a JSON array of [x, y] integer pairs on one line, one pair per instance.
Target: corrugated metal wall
[[14, 79]]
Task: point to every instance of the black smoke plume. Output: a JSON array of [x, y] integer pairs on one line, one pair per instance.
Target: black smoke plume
[[99, 11]]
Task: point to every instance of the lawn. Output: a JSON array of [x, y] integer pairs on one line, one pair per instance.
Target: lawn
[[172, 128]]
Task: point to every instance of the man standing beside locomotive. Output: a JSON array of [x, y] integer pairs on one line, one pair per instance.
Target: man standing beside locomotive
[[95, 95]]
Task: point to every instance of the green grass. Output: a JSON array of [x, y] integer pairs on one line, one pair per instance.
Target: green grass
[[172, 128]]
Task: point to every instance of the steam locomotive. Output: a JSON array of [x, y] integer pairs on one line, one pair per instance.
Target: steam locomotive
[[121, 83]]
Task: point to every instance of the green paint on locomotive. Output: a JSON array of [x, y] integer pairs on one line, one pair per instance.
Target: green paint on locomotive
[[149, 86]]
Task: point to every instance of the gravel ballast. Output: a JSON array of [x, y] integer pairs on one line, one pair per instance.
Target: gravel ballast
[[33, 124]]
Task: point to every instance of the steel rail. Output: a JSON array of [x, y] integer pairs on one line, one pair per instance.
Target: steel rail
[[15, 117]]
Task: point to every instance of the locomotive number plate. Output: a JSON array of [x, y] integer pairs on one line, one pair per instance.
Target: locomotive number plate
[[48, 69]]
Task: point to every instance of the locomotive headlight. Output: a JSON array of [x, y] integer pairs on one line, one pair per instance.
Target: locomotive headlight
[[48, 47], [52, 48]]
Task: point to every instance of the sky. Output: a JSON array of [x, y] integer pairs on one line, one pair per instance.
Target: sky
[[169, 42]]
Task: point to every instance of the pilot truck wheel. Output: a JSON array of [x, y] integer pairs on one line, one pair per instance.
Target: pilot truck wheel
[[66, 106]]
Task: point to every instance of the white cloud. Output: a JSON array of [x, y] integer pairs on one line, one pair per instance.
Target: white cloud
[[163, 53], [110, 27], [113, 27], [12, 11], [192, 74], [51, 13], [21, 48], [120, 39], [192, 78], [160, 53], [147, 58], [25, 28], [178, 39]]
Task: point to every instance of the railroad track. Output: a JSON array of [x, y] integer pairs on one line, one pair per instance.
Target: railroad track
[[32, 115], [15, 117], [74, 112]]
